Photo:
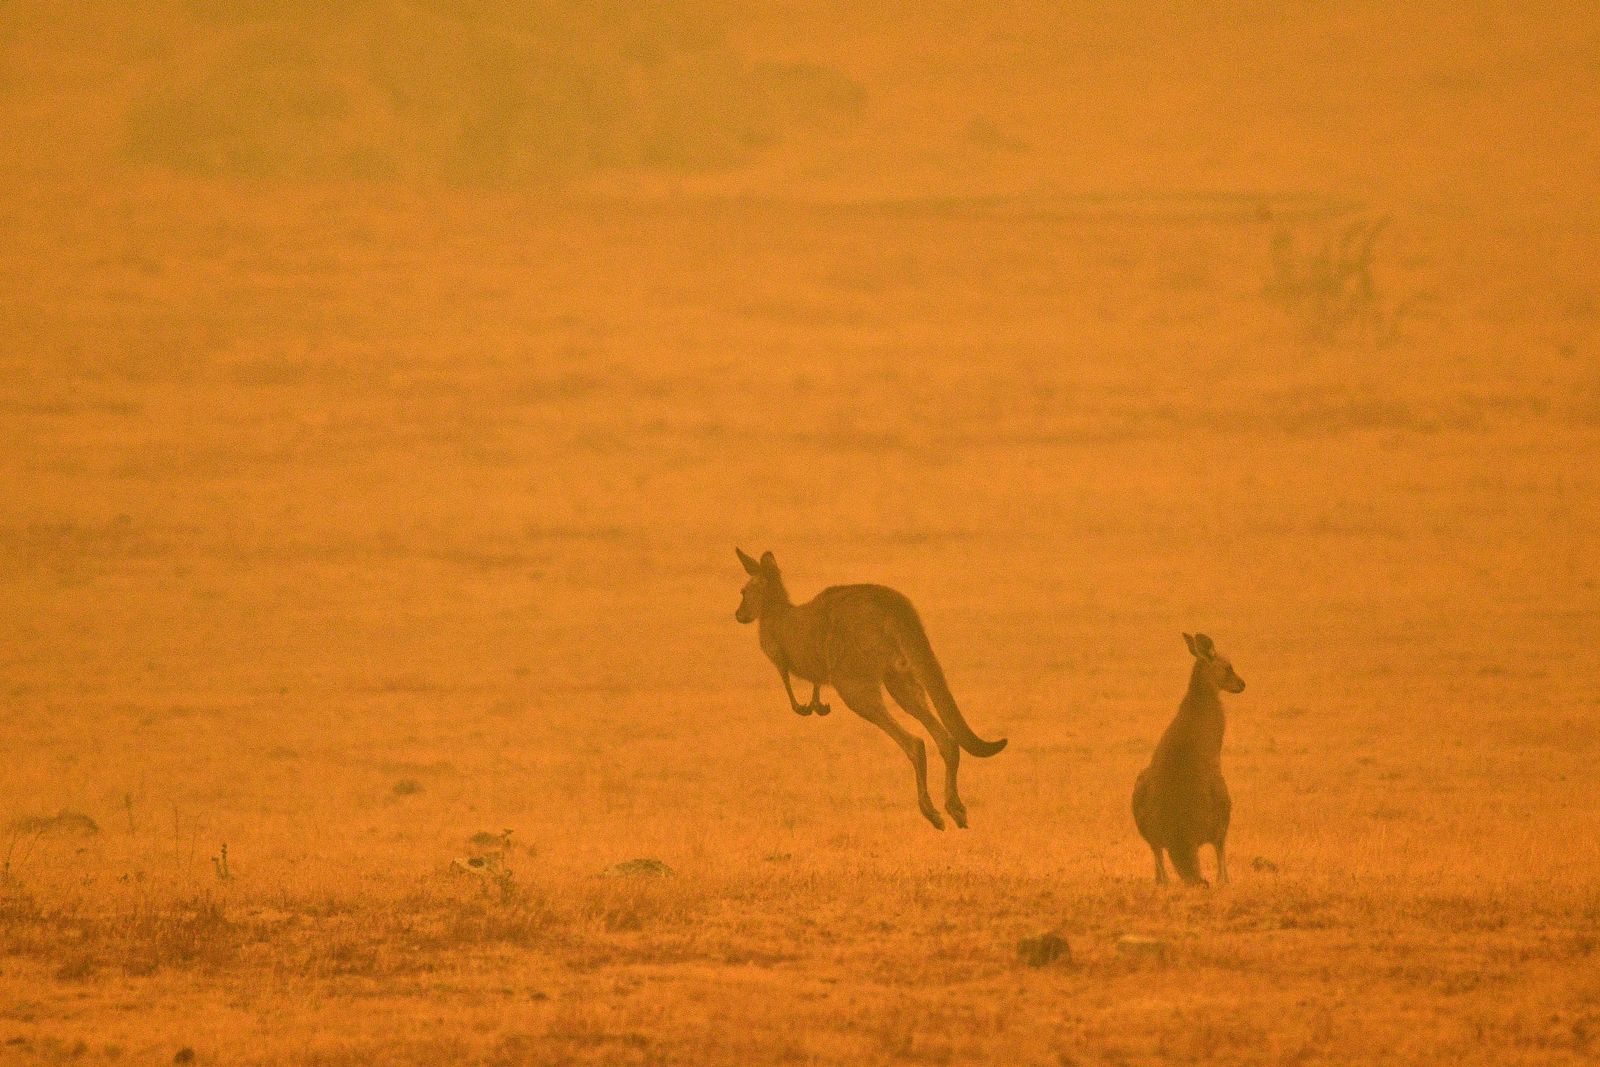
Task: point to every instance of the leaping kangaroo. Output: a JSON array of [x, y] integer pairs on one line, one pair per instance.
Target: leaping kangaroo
[[861, 639], [1180, 801]]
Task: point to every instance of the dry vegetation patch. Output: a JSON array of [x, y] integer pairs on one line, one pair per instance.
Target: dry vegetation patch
[[499, 93], [897, 969]]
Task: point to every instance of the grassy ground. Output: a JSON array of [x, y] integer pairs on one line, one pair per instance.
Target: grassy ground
[[314, 556]]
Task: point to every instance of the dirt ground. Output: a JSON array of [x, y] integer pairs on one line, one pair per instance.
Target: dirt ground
[[366, 550]]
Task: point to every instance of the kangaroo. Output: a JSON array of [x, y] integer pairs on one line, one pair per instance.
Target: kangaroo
[[1180, 801], [861, 639]]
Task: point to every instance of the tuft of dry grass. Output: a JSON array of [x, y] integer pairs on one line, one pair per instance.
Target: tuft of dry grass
[[1328, 286], [79, 941]]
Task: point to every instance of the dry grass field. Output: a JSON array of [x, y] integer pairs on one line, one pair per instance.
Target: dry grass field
[[366, 546]]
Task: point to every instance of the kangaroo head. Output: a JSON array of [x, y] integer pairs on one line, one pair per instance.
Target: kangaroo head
[[1215, 668], [763, 588]]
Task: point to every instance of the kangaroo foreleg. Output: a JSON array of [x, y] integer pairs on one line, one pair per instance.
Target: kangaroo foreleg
[[794, 705], [816, 704]]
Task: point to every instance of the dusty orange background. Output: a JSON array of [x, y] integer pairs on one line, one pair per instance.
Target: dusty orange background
[[367, 488]]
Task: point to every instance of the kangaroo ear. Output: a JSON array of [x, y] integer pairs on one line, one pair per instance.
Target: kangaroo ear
[[1188, 639], [750, 565], [769, 561], [1206, 650]]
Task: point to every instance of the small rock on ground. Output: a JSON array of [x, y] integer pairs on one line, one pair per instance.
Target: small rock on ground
[[1044, 949], [640, 868]]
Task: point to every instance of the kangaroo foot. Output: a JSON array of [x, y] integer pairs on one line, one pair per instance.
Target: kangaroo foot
[[820, 708], [932, 816], [803, 709], [958, 812]]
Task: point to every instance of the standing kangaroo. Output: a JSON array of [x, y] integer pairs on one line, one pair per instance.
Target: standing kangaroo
[[862, 639], [1180, 801]]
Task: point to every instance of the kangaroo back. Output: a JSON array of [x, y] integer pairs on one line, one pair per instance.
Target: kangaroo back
[[908, 633]]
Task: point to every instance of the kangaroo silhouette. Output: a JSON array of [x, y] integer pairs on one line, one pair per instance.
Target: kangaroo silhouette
[[862, 639], [1180, 801]]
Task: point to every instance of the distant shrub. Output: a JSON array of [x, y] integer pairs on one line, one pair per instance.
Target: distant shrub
[[474, 91], [1328, 286]]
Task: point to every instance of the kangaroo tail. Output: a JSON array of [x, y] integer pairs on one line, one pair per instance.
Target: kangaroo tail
[[914, 645], [1186, 861]]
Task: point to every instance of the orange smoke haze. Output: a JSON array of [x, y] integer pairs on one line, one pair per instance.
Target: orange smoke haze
[[387, 385]]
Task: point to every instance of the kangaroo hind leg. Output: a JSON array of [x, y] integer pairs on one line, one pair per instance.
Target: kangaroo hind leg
[[865, 698], [909, 694], [1220, 840]]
